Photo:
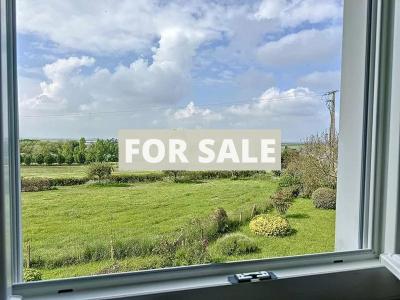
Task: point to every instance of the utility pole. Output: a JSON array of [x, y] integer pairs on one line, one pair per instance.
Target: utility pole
[[330, 100]]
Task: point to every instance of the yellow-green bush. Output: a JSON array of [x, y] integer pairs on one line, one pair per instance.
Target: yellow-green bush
[[270, 225]]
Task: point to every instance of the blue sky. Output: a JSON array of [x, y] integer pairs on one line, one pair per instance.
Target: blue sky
[[90, 68]]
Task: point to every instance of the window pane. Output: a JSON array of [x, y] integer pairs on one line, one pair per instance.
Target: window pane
[[89, 69]]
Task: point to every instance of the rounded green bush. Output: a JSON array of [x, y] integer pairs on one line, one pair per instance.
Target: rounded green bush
[[324, 198], [270, 225], [235, 244], [31, 274]]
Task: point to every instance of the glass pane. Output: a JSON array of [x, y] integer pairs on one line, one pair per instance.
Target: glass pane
[[87, 69]]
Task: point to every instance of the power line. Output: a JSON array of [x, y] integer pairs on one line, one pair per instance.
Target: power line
[[143, 108]]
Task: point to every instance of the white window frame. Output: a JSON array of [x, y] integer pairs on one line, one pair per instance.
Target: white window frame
[[364, 82], [390, 255]]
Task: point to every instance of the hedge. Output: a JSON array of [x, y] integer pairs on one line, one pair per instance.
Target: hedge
[[38, 184], [42, 183], [35, 184]]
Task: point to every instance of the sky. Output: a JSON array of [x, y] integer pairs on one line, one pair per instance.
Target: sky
[[90, 68]]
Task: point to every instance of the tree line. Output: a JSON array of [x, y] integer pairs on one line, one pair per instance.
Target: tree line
[[68, 152]]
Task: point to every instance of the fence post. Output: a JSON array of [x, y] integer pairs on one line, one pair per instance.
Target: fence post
[[112, 250], [28, 252], [253, 211]]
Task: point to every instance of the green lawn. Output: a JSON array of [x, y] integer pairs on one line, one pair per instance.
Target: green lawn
[[64, 171], [63, 221], [54, 171], [314, 233]]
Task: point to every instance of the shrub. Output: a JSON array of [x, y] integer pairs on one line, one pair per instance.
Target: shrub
[[324, 198], [131, 178], [220, 218], [31, 274], [235, 244], [289, 179], [288, 155], [203, 230], [166, 248], [96, 252], [186, 176], [282, 200], [99, 170], [270, 225], [193, 253], [276, 173], [133, 248], [68, 181], [317, 163], [35, 184]]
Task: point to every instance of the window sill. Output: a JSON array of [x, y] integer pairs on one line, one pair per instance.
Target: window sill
[[392, 262], [141, 289]]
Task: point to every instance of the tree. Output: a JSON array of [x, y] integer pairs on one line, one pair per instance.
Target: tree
[[49, 159], [27, 159], [80, 157], [68, 152], [69, 159], [39, 158], [80, 152], [60, 158]]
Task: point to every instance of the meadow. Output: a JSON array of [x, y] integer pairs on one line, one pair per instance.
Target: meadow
[[60, 225]]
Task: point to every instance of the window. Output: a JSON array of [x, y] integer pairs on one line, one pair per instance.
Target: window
[[67, 80], [174, 65]]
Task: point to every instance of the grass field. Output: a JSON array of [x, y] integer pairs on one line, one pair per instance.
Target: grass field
[[64, 171], [65, 220], [315, 234], [75, 171]]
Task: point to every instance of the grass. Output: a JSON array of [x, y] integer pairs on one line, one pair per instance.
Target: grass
[[63, 221], [314, 233], [63, 171]]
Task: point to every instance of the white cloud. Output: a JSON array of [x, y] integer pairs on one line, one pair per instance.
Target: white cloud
[[296, 102], [309, 46], [94, 26], [172, 48], [191, 111], [291, 13], [52, 95], [104, 27], [321, 81], [163, 81]]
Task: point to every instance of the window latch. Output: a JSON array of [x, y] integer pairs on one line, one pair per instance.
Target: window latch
[[251, 277]]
